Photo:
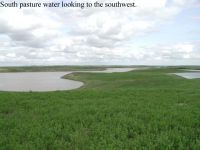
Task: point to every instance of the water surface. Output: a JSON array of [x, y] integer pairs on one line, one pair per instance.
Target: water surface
[[189, 75], [111, 70], [44, 81], [36, 81]]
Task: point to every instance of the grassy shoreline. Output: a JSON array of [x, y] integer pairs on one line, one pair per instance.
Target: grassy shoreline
[[81, 68], [50, 68], [143, 109]]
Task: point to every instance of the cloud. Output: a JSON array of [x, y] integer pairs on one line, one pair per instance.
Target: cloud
[[89, 36], [177, 51]]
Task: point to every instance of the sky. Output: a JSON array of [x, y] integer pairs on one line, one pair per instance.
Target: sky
[[156, 32]]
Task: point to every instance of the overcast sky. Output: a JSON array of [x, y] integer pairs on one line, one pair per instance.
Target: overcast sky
[[156, 32]]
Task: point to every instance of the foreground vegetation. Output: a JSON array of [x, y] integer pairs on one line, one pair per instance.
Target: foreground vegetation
[[146, 109]]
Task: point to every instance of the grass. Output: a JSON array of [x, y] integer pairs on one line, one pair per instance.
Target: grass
[[50, 68], [57, 68], [146, 109]]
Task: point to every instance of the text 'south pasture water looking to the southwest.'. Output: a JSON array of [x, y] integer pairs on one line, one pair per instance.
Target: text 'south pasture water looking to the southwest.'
[[99, 74]]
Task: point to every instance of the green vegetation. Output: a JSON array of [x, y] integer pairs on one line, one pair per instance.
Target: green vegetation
[[50, 68], [146, 109]]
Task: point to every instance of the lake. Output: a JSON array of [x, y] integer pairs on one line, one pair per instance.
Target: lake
[[189, 75], [44, 81], [36, 81], [111, 70]]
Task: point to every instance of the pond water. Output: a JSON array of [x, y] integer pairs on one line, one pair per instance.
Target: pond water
[[36, 81], [111, 70], [189, 75], [44, 81]]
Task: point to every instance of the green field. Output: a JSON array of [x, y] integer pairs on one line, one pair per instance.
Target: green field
[[146, 109], [50, 68]]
